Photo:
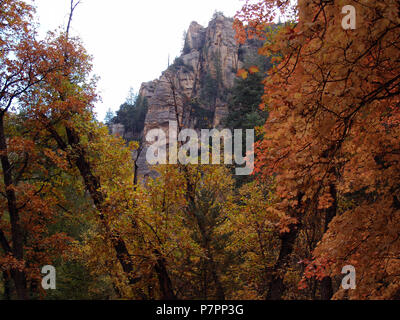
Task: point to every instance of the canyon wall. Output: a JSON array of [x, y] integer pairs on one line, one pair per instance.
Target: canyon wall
[[194, 90]]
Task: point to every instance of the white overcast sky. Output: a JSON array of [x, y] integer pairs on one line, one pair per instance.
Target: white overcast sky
[[130, 39]]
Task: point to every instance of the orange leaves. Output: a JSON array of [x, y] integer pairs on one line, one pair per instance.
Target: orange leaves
[[243, 73], [287, 223], [325, 201], [21, 145], [314, 269], [333, 130], [256, 16], [240, 31], [8, 262], [254, 69], [49, 80], [58, 158]]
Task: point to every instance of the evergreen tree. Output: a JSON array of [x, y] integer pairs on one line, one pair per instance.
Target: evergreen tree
[[109, 116]]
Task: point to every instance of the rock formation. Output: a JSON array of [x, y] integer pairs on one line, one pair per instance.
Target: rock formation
[[194, 89]]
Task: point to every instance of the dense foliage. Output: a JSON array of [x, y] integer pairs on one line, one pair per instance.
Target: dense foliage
[[326, 192]]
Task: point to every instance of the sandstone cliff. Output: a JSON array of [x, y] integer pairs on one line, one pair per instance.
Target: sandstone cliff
[[195, 88]]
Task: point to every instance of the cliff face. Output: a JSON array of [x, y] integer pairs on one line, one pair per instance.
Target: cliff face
[[194, 89]]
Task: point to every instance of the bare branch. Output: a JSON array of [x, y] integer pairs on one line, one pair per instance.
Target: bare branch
[[71, 13]]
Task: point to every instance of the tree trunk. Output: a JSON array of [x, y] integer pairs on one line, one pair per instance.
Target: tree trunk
[[213, 268], [164, 279], [93, 185], [220, 290], [17, 248], [326, 283], [277, 287], [7, 288], [326, 288]]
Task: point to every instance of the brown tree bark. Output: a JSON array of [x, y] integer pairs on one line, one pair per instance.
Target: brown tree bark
[[17, 248], [277, 288], [93, 185], [326, 283], [7, 288], [163, 279]]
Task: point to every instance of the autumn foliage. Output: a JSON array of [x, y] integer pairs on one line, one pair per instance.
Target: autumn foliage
[[325, 191], [332, 138]]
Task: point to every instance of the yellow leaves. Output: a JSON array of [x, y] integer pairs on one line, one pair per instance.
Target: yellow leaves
[[243, 74], [133, 145]]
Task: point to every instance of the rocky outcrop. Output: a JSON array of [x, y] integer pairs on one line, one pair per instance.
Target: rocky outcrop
[[117, 129], [195, 37], [147, 89], [194, 89]]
